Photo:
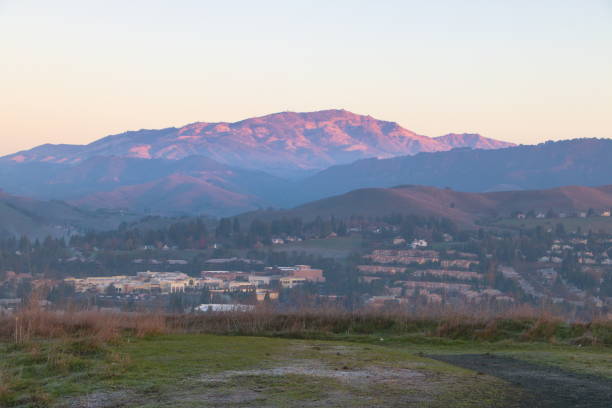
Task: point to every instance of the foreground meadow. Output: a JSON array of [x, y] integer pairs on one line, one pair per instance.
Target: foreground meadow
[[312, 360]]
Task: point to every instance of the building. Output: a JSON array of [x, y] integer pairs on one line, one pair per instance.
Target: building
[[399, 241], [290, 282], [308, 273], [262, 294], [241, 286], [164, 282], [257, 280], [214, 307], [418, 243]]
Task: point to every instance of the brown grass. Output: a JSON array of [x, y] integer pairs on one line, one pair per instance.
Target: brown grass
[[29, 324], [521, 324]]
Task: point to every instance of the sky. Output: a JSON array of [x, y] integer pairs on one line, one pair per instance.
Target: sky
[[525, 71]]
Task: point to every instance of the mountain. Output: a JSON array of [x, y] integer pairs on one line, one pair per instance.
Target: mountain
[[472, 141], [25, 216], [191, 185], [217, 168], [285, 143], [551, 164], [462, 207]]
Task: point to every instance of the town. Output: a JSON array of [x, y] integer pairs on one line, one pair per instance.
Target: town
[[386, 262]]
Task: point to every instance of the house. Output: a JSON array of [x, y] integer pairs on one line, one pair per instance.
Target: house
[[418, 243], [458, 263], [387, 270], [399, 241], [444, 273], [605, 213], [177, 262]]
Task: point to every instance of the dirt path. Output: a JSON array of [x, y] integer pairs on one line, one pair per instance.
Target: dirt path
[[547, 386]]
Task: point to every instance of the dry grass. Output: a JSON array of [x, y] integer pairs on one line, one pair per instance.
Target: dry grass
[[29, 324], [521, 324]]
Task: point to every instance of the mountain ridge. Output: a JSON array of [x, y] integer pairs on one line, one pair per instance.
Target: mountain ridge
[[279, 142], [546, 165]]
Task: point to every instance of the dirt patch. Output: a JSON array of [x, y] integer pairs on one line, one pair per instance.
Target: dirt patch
[[546, 386], [101, 400], [346, 374]]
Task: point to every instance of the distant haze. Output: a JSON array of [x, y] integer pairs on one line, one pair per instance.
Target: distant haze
[[521, 71]]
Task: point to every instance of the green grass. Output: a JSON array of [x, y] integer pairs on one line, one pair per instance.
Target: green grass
[[174, 357], [315, 354], [185, 369]]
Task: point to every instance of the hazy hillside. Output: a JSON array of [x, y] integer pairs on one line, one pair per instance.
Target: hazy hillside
[[24, 216], [281, 143], [175, 194], [462, 207], [191, 185], [552, 164]]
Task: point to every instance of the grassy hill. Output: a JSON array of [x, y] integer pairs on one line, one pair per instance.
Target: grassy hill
[[462, 207]]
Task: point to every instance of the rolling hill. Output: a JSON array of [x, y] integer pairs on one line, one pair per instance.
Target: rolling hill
[[462, 207]]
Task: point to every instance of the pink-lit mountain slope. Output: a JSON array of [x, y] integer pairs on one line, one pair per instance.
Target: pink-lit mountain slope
[[278, 142]]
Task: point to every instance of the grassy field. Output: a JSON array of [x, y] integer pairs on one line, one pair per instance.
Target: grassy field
[[193, 370], [87, 361], [594, 224]]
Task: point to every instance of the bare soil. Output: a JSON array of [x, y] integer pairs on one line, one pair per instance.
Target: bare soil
[[545, 386]]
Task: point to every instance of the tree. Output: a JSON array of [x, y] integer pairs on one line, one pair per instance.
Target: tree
[[236, 226], [224, 229]]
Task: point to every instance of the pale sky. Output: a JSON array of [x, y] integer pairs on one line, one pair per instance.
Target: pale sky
[[522, 70]]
